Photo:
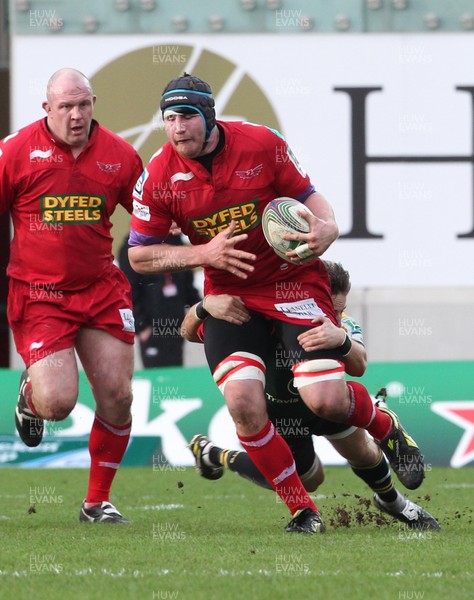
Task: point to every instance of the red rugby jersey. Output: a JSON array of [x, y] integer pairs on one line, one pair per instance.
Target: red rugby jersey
[[254, 167], [61, 205]]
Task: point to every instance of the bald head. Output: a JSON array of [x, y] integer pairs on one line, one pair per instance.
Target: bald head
[[67, 79]]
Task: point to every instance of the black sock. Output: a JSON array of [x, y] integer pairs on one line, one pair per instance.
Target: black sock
[[240, 463], [379, 479], [215, 455]]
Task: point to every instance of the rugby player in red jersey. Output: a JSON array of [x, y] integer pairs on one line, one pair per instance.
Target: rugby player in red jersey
[[214, 178], [61, 178]]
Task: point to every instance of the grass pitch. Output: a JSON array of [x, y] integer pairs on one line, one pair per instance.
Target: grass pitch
[[193, 538]]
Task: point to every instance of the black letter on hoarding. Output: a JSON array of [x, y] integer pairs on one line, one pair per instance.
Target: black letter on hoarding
[[359, 163], [360, 160]]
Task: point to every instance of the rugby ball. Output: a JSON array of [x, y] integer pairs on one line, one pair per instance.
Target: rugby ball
[[280, 216]]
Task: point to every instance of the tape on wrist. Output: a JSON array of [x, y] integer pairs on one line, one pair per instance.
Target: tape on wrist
[[345, 348], [200, 311]]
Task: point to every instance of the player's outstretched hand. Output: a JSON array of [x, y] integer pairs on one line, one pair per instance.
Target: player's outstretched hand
[[222, 253]]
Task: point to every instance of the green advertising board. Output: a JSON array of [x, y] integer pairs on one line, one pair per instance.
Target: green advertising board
[[435, 402]]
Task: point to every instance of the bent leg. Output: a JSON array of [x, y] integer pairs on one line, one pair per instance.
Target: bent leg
[[240, 462], [359, 448], [329, 396], [308, 465]]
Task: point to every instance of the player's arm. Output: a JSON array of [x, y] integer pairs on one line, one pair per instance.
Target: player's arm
[[7, 186], [327, 335], [223, 306], [221, 253], [159, 258]]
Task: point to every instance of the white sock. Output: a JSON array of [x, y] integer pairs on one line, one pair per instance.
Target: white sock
[[396, 505]]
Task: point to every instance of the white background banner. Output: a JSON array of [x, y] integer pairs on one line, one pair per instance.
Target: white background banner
[[416, 160]]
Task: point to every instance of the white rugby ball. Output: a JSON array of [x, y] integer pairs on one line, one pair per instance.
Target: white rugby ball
[[280, 216]]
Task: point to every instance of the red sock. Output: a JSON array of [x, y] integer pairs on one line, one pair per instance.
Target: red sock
[[107, 445], [272, 456], [365, 414]]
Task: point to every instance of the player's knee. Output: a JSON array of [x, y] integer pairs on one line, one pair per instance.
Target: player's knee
[[54, 403], [248, 423], [327, 401], [115, 390], [55, 408], [115, 405], [123, 396], [246, 404], [328, 407], [114, 399]]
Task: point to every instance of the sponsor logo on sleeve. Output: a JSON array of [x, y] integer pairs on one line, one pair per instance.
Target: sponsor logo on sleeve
[[141, 211], [138, 190]]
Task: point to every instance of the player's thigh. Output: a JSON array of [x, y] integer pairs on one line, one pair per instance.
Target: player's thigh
[[108, 363], [221, 339], [43, 325]]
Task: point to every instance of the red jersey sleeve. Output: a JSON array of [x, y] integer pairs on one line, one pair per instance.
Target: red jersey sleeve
[[6, 185], [151, 215], [136, 168], [290, 177]]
